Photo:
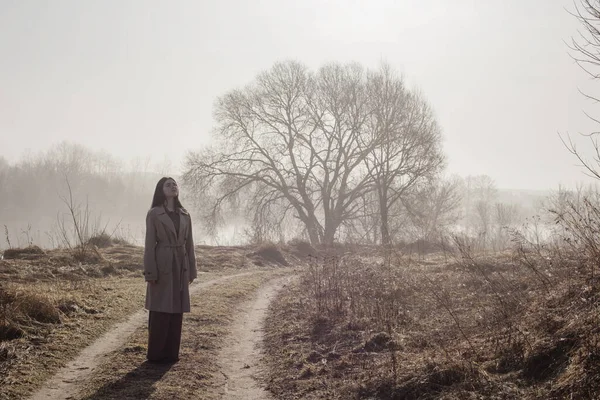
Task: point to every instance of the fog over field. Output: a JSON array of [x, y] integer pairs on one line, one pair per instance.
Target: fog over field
[[107, 97]]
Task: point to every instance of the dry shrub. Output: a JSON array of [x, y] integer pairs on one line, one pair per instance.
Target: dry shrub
[[468, 317], [428, 383], [124, 257], [27, 253], [549, 330], [103, 240], [120, 241], [358, 290], [38, 307], [6, 353], [88, 255], [28, 305], [18, 309], [379, 342], [301, 248], [270, 253]]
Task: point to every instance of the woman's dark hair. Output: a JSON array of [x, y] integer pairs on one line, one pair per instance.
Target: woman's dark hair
[[159, 195]]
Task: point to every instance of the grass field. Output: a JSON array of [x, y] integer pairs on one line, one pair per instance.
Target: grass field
[[358, 323], [506, 326], [51, 306]]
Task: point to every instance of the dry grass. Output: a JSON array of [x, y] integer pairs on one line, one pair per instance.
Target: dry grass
[[52, 306], [75, 313], [486, 327], [243, 257], [126, 375], [59, 265]]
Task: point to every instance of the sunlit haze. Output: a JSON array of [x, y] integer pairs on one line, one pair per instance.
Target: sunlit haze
[[139, 78]]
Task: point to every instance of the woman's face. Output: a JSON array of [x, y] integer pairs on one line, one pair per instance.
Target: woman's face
[[170, 188]]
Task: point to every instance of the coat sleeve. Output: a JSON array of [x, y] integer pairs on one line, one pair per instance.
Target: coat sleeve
[[189, 248], [150, 268]]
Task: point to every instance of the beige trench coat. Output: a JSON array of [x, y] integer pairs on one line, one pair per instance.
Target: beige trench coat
[[169, 259]]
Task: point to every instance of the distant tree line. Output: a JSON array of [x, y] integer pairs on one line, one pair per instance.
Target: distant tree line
[[33, 190]]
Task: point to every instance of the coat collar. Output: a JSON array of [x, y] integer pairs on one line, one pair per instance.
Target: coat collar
[[162, 210], [162, 216]]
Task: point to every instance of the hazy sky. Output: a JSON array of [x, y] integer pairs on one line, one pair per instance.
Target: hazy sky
[[139, 78]]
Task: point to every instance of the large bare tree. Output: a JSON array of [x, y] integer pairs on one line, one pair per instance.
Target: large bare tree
[[411, 152], [293, 143]]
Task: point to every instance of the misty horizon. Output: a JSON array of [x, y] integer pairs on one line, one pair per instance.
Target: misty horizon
[[499, 77], [111, 96]]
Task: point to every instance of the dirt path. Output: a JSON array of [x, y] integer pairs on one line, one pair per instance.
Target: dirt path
[[67, 382], [241, 353]]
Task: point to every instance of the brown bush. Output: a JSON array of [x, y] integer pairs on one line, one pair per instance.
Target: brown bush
[[104, 240], [471, 312], [19, 307], [87, 255], [301, 248], [27, 253], [359, 290], [270, 253], [101, 240]]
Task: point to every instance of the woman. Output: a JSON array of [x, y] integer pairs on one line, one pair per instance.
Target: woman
[[169, 268]]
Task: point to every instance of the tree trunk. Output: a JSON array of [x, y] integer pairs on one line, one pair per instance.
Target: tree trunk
[[386, 238], [313, 236], [329, 235], [313, 230], [331, 226]]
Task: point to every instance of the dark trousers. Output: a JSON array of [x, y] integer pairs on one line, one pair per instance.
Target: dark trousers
[[164, 336]]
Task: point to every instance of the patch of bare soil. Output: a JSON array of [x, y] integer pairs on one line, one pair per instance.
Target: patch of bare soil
[[241, 356], [124, 373]]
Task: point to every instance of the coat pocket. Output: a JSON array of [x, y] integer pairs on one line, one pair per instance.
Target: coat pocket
[[164, 261]]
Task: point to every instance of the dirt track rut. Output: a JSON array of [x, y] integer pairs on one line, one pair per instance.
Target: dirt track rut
[[241, 354], [67, 382]]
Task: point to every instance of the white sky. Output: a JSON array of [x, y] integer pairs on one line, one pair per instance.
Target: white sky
[[138, 78]]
